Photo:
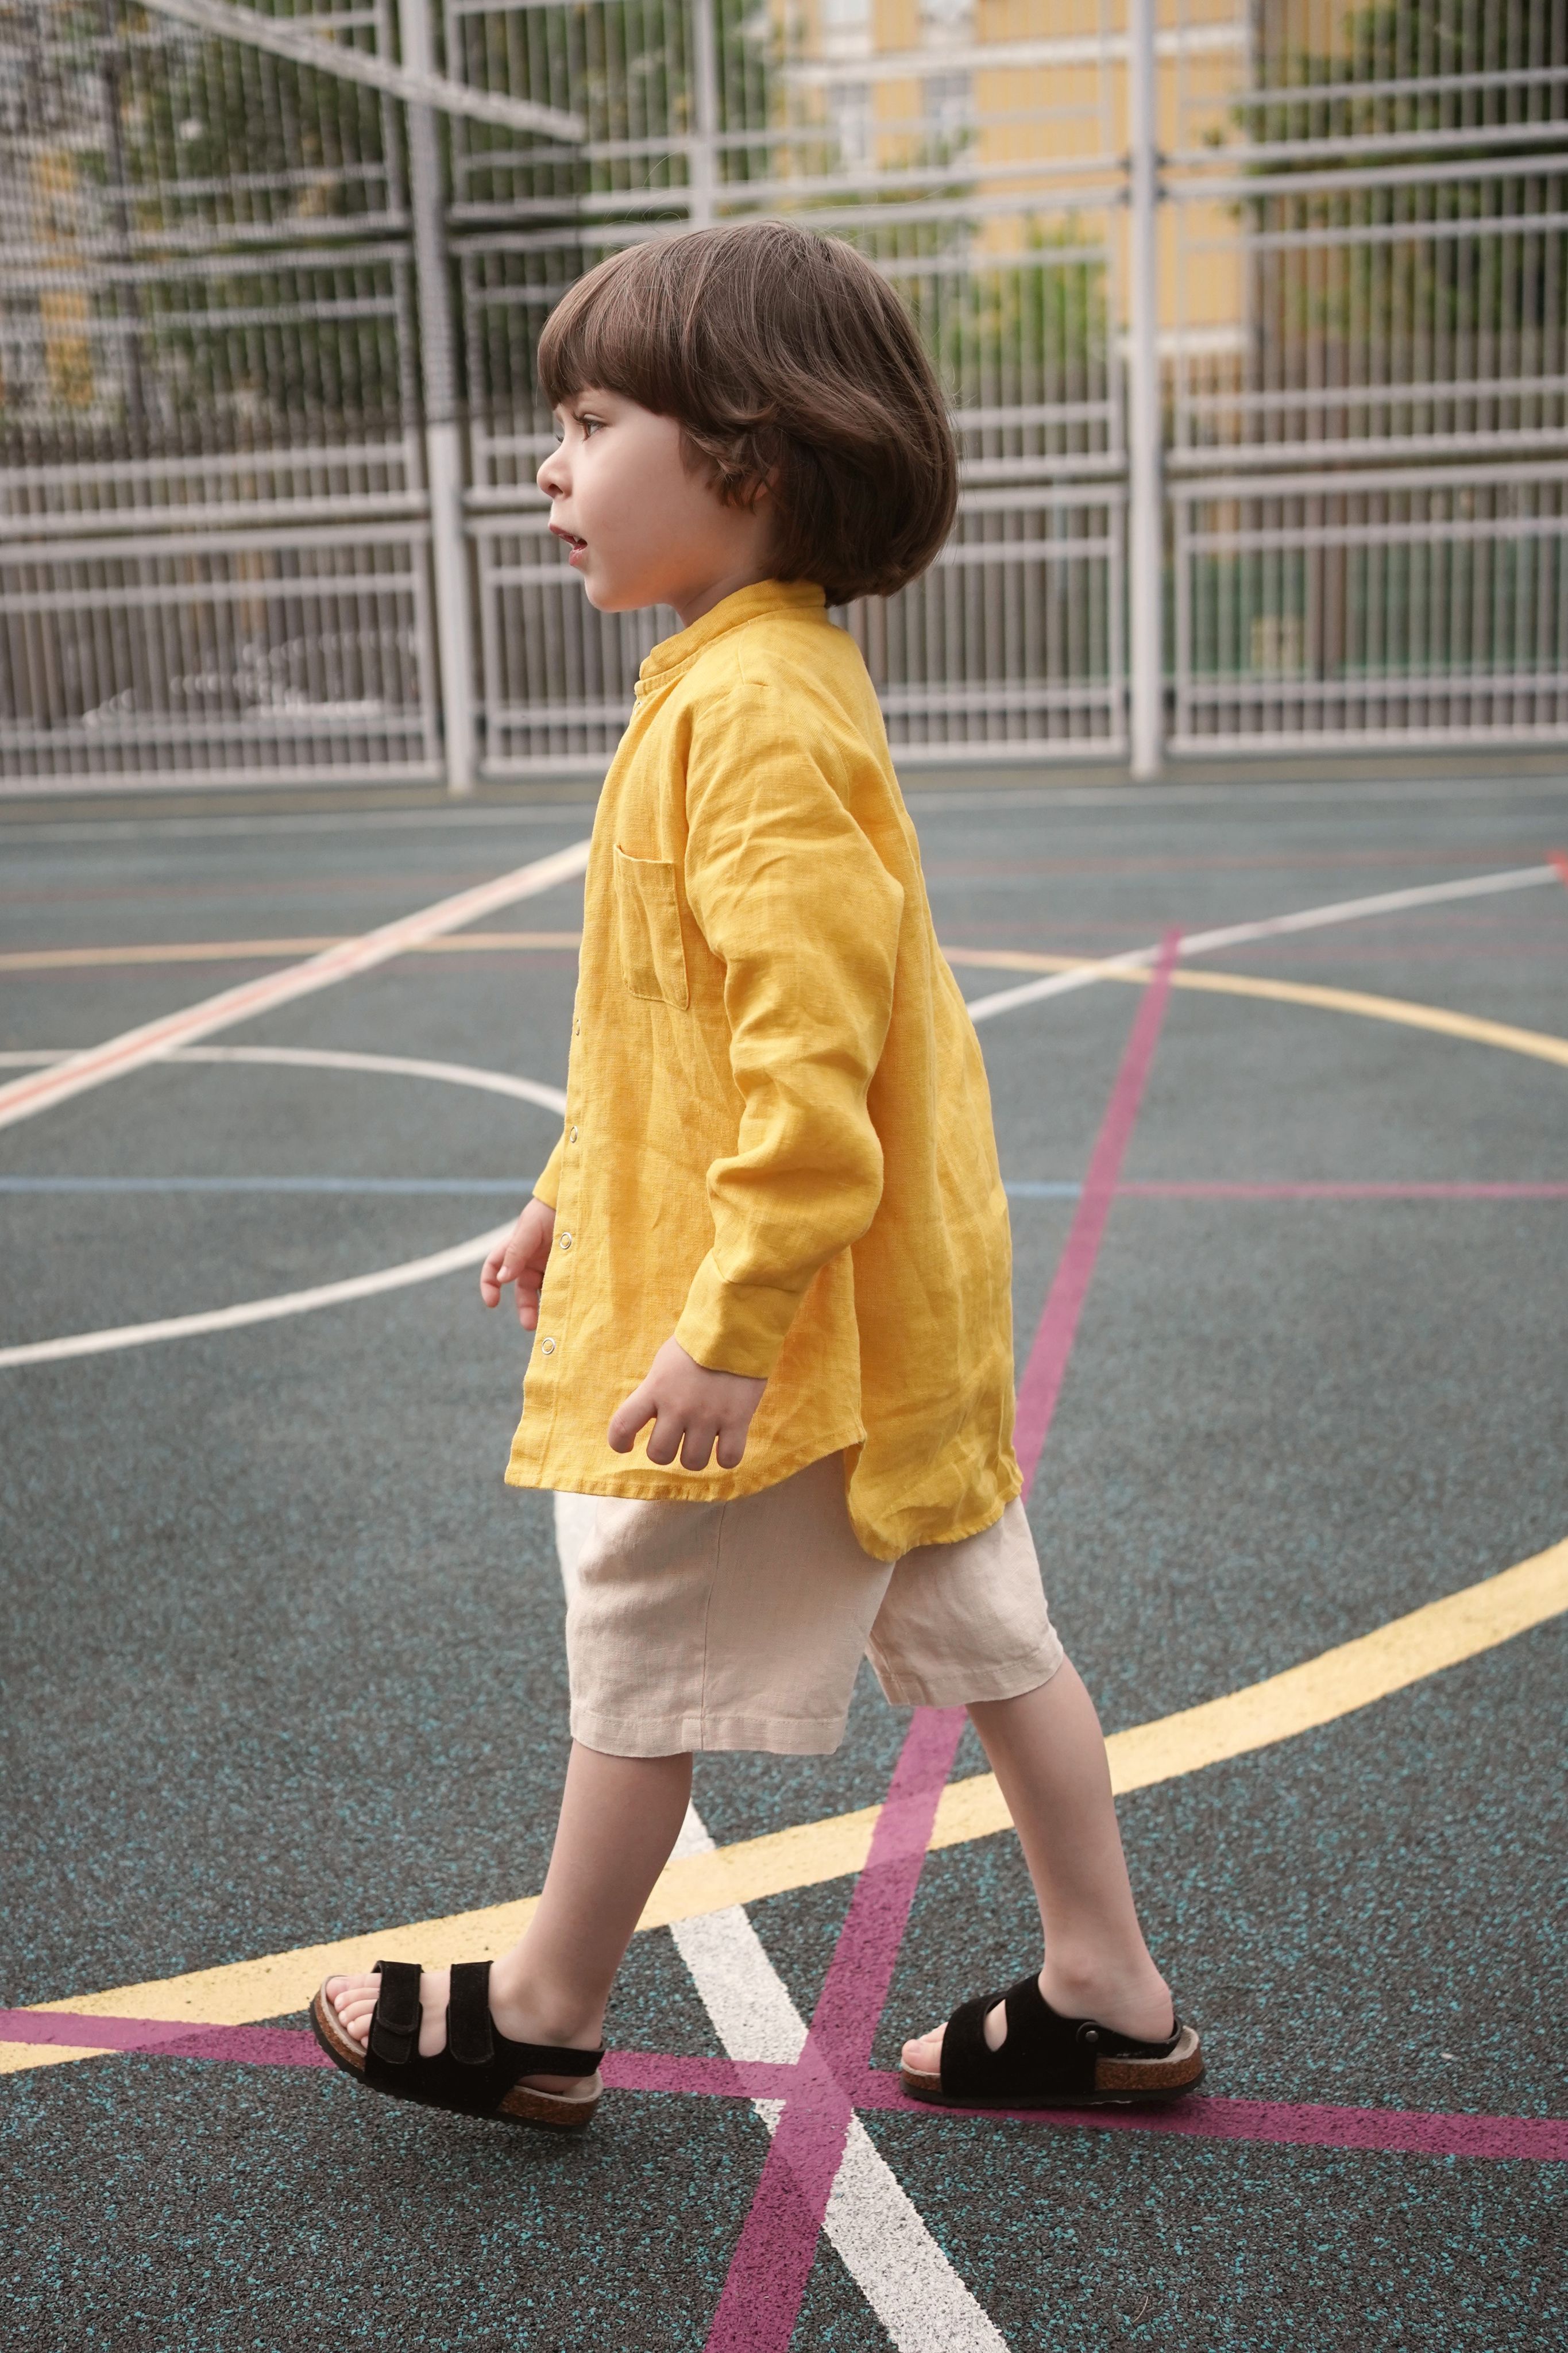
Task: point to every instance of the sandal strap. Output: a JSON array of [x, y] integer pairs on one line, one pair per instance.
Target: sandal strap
[[395, 2028], [965, 2058], [548, 2058], [473, 2038], [1042, 2052], [471, 2030]]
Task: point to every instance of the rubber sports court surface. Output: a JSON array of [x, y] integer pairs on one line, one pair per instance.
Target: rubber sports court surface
[[285, 1685]]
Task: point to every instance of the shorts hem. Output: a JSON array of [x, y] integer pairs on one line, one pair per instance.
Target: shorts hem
[[682, 1735], [957, 1687]]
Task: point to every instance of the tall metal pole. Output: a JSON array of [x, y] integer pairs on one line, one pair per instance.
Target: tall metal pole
[[443, 439], [1145, 519], [703, 171]]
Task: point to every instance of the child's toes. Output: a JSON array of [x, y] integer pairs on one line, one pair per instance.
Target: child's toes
[[924, 2057], [353, 1999]]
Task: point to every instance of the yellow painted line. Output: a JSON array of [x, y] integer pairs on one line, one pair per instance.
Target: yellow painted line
[[246, 951], [1438, 1018], [1435, 1017], [1354, 1674], [1335, 1683], [1028, 960]]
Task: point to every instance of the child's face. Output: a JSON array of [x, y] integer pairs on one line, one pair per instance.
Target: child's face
[[643, 529]]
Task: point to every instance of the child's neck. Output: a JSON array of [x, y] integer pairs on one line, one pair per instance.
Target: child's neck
[[692, 604]]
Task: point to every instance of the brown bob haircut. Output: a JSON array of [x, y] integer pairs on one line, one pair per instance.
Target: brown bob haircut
[[787, 360]]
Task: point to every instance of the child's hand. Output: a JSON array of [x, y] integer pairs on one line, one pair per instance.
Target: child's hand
[[690, 1407], [520, 1259]]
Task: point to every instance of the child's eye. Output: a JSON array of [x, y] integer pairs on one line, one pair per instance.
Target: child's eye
[[591, 425]]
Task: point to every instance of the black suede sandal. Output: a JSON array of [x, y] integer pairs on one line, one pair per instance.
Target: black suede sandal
[[1051, 2061], [477, 2073]]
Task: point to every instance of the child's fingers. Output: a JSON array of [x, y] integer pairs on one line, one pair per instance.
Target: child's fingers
[[696, 1446], [628, 1419], [665, 1442], [731, 1445]]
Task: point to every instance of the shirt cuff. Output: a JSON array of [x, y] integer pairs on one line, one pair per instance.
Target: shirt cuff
[[734, 1327], [548, 1187]]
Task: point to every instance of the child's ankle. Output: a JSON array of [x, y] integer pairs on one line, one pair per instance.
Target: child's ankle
[[529, 2008], [1128, 1995]]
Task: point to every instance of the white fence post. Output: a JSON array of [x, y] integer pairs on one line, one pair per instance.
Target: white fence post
[[443, 441], [1144, 521], [703, 169]]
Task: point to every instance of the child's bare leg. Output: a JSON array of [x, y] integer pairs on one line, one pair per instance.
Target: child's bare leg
[[1048, 1753], [619, 1819]]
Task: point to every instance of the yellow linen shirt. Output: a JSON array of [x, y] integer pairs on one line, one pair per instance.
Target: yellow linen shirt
[[778, 1141]]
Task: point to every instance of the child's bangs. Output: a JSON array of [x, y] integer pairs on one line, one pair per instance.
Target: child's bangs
[[614, 332]]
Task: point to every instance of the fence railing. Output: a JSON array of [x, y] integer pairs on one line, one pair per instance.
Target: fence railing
[[1255, 325]]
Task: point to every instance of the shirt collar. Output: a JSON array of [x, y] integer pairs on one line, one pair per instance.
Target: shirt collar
[[731, 612]]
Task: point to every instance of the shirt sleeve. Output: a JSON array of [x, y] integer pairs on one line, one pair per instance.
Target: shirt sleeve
[[793, 899], [547, 1187]]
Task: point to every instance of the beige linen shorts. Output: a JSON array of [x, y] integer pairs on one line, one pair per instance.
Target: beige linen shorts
[[742, 1624]]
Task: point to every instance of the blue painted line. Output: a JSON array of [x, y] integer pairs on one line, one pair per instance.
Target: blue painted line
[[509, 1185], [1026, 1190]]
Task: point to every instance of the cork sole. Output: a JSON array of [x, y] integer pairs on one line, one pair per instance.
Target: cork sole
[[1117, 2082], [562, 2111]]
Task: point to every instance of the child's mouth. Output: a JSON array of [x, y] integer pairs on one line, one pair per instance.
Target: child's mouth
[[575, 546]]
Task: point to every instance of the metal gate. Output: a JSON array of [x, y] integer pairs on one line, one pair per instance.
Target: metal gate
[[270, 422]]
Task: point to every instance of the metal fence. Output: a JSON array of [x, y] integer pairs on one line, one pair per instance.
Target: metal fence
[[1367, 485], [1253, 325]]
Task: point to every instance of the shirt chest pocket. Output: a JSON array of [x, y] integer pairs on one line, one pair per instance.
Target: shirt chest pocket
[[647, 919]]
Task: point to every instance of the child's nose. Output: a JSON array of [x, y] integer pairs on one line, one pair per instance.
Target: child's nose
[[550, 476]]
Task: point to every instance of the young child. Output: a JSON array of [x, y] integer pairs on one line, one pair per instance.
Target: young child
[[768, 1267]]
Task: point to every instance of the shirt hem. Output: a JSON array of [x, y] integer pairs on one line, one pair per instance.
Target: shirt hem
[[1006, 1492], [690, 1487]]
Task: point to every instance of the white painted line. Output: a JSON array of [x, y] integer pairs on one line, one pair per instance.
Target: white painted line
[[22, 1098], [396, 1066], [1354, 911], [871, 2221], [1059, 983], [260, 1311], [326, 1294], [1307, 919]]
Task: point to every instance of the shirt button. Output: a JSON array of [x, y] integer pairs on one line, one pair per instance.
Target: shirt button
[[547, 1347], [564, 1241], [572, 1136], [576, 1029]]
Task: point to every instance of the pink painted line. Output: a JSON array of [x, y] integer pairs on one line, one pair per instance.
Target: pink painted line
[[250, 2046], [720, 2079], [768, 2272], [1042, 1382], [771, 2263], [1411, 2132], [1407, 2131], [1204, 1189]]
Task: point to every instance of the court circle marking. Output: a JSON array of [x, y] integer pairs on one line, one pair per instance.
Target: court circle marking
[[1537, 1044], [326, 1294]]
